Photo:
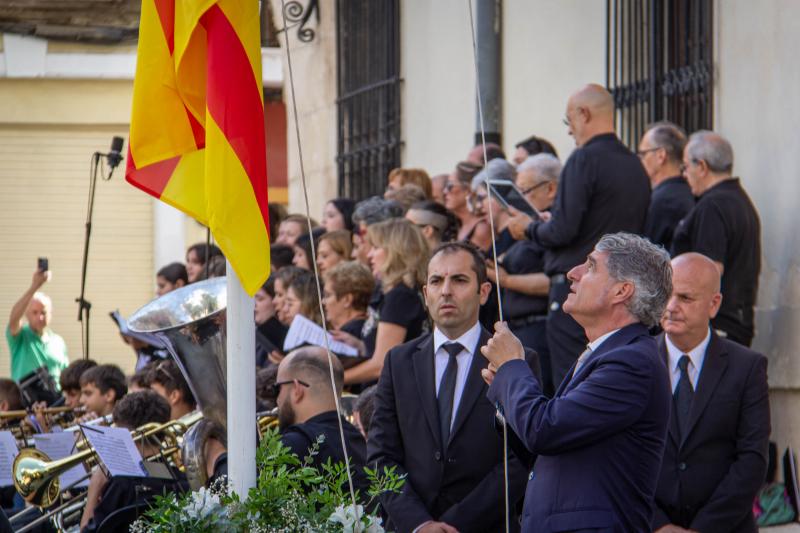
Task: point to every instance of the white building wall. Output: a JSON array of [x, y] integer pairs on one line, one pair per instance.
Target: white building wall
[[314, 67], [756, 108], [438, 92], [551, 48]]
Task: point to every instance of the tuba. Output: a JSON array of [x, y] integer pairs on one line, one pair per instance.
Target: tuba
[[191, 322]]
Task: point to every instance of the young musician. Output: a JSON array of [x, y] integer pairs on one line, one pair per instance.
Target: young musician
[[166, 379], [101, 388], [106, 495], [10, 396], [70, 381]]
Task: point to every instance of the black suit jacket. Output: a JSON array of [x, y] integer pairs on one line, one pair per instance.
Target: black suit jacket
[[709, 478], [462, 486]]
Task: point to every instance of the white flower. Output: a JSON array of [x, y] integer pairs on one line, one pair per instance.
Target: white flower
[[202, 504], [346, 516]]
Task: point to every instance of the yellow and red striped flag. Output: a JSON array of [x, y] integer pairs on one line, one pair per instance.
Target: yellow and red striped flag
[[197, 125]]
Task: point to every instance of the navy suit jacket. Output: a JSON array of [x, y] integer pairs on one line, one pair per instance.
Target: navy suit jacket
[[599, 440], [462, 486], [710, 476]]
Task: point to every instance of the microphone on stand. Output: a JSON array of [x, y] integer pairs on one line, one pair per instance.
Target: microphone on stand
[[114, 157]]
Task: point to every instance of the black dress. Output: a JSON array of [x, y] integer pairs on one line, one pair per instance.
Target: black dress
[[402, 306]]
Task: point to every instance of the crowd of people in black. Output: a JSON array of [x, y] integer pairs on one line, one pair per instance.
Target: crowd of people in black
[[407, 276]]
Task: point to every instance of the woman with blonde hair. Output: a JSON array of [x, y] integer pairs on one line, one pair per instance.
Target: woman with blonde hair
[[333, 248], [399, 261]]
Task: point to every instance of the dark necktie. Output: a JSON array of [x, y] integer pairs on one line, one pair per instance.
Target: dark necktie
[[684, 393], [447, 391]]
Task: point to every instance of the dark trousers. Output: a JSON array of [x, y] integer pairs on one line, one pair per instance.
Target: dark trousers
[[534, 336], [565, 337]]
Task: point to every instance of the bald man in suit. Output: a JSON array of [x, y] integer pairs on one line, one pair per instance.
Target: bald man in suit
[[716, 453]]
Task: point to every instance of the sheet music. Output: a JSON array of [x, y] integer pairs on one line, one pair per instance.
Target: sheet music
[[122, 324], [57, 446], [304, 331], [8, 452], [116, 450]]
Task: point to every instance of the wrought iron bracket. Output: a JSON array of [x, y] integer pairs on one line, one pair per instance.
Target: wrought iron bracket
[[298, 16]]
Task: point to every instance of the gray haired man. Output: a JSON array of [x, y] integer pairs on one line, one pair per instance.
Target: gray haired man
[[537, 180], [725, 227], [600, 440], [661, 154]]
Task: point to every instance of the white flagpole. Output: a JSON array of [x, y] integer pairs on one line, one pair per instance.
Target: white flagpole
[[241, 384]]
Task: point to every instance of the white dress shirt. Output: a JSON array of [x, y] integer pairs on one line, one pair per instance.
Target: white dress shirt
[[469, 341], [591, 347], [696, 357]]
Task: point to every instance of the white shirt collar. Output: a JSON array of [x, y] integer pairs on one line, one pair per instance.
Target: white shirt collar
[[696, 355], [595, 344], [469, 340]]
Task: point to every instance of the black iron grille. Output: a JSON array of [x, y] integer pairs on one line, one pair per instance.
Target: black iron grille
[[659, 64], [368, 103]]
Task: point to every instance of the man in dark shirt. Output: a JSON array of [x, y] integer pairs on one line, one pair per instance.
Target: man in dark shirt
[[661, 153], [724, 226], [307, 411], [603, 189]]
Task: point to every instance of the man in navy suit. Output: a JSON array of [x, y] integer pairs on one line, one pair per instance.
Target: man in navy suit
[[600, 439], [716, 454], [432, 420]]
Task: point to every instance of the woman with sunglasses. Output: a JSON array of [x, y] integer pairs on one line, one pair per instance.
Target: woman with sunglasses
[[457, 190], [499, 172]]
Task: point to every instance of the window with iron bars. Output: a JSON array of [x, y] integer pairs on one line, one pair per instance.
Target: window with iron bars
[[659, 64], [368, 103]]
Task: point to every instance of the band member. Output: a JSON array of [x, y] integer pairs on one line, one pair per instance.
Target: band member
[[101, 388], [10, 397], [105, 495], [432, 421], [167, 380], [70, 381]]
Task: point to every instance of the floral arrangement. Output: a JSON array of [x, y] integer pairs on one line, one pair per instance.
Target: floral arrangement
[[290, 496]]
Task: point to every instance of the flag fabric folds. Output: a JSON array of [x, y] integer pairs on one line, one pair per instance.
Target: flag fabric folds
[[197, 125]]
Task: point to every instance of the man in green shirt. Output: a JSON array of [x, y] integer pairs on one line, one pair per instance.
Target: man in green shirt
[[34, 344]]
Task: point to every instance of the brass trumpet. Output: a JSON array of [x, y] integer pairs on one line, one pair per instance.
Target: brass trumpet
[[106, 420], [22, 413], [36, 476], [266, 420]]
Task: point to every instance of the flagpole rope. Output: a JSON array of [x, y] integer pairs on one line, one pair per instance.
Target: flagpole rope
[[494, 241], [314, 260]]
